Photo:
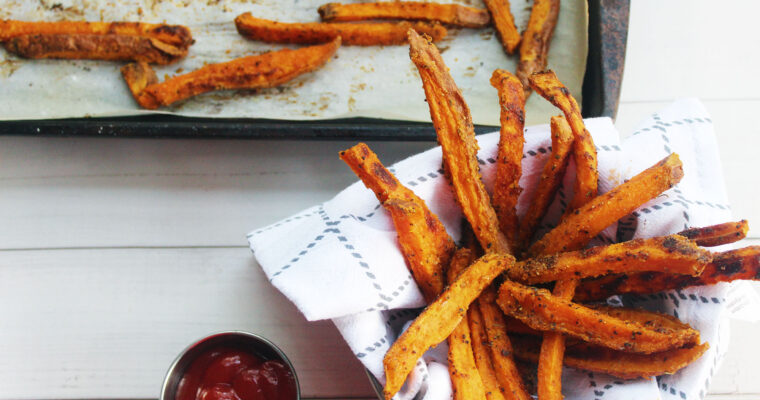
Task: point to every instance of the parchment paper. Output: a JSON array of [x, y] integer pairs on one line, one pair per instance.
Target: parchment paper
[[378, 82]]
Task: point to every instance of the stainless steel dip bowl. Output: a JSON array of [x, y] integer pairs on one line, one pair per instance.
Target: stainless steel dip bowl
[[243, 340]]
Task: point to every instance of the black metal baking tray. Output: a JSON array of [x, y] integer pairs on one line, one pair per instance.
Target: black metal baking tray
[[608, 27]]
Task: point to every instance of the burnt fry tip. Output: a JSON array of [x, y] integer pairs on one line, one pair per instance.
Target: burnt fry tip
[[326, 11], [138, 76]]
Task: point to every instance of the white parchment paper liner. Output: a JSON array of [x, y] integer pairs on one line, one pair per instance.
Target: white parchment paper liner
[[378, 82]]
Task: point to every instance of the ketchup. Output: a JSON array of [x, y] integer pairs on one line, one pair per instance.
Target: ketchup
[[227, 373]]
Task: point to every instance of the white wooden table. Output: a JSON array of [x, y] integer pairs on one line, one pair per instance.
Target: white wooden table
[[117, 253]]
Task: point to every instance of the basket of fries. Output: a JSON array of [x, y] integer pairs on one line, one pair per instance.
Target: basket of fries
[[552, 260]]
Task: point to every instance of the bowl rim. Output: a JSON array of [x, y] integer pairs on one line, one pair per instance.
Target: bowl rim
[[173, 366], [376, 386]]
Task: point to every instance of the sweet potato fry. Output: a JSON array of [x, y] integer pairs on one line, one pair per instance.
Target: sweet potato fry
[[553, 350], [653, 320], [586, 222], [450, 14], [616, 363], [253, 72], [426, 245], [465, 378], [717, 235], [541, 310], [551, 178], [656, 321], [456, 134], [175, 35], [504, 23], [95, 47], [671, 254], [439, 319], [424, 241], [506, 190], [499, 347], [494, 390], [534, 48], [727, 266], [353, 34], [584, 151]]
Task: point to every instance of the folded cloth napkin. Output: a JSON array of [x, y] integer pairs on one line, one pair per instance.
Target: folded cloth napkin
[[341, 259]]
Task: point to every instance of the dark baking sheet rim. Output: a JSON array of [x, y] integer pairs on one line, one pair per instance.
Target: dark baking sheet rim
[[608, 27]]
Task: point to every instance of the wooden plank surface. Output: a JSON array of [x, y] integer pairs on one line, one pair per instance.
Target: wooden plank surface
[[107, 323], [60, 193]]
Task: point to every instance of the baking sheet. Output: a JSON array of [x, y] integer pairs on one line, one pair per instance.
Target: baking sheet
[[376, 82]]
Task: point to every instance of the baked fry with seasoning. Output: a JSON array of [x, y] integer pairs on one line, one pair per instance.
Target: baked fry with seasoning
[[504, 24], [426, 245], [253, 72], [506, 190], [551, 178], [728, 266], [536, 40], [175, 35], [672, 254], [352, 34], [500, 347], [481, 350], [95, 47], [465, 378], [541, 310], [456, 135], [449, 14]]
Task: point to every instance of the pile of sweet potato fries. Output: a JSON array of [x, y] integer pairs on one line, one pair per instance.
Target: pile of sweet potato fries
[[496, 308], [344, 24]]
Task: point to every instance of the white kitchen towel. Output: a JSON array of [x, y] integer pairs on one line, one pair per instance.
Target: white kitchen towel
[[341, 259]]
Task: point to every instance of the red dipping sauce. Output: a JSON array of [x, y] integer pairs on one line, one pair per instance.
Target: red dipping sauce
[[228, 373]]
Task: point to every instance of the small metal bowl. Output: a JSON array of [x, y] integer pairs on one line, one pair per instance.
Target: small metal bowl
[[244, 340]]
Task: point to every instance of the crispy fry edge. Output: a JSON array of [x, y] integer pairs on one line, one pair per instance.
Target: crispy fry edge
[[534, 48], [252, 72], [672, 254], [504, 24], [175, 35]]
